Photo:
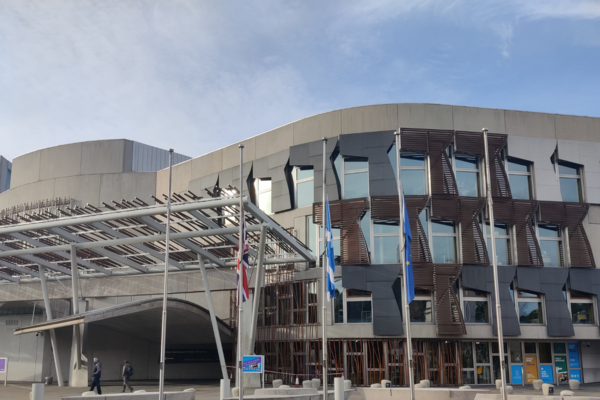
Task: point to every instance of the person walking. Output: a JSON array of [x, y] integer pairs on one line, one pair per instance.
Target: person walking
[[96, 374], [127, 372]]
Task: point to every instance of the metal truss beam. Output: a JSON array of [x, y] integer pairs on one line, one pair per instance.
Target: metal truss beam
[[39, 261]]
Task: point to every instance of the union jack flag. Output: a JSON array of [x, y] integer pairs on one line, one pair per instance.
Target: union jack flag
[[242, 264]]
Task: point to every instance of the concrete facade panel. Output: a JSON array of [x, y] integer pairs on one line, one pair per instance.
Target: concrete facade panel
[[231, 154], [370, 118], [102, 156], [207, 164], [61, 161], [570, 127], [429, 116], [127, 186], [84, 188], [270, 142], [526, 124], [317, 127], [474, 119], [585, 154], [182, 174], [26, 169]]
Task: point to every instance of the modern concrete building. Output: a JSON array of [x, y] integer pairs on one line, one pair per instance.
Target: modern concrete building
[[545, 171]]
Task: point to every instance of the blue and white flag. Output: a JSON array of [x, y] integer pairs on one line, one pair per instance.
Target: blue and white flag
[[410, 292], [330, 255]]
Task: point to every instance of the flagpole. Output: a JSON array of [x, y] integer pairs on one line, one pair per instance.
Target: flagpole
[[324, 267], [163, 336], [240, 300], [490, 205], [404, 273]]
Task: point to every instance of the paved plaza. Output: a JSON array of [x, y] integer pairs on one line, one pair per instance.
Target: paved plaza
[[209, 390]]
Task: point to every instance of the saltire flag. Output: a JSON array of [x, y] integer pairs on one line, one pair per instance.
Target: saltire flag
[[408, 260], [330, 255], [242, 264]]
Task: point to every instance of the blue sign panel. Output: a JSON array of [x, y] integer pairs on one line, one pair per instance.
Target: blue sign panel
[[546, 373], [573, 355], [575, 374], [517, 375], [253, 365]]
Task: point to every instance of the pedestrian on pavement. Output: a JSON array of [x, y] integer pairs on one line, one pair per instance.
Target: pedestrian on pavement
[[127, 372], [96, 374]]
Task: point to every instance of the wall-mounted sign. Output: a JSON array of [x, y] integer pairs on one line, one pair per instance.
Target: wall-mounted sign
[[253, 364], [531, 368], [560, 364], [575, 374], [516, 372], [547, 373], [573, 355], [3, 364]]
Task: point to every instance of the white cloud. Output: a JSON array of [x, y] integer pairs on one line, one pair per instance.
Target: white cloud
[[505, 32]]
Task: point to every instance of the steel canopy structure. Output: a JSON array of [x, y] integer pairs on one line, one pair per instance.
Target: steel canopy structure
[[129, 238]]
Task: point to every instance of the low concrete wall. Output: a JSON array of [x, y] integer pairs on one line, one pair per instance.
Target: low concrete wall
[[138, 396], [421, 394], [534, 397]]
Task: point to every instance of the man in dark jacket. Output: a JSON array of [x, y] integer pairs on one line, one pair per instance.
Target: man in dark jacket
[[127, 371], [96, 374]]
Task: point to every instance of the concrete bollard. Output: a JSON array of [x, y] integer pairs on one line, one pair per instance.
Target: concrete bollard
[[573, 384], [347, 384], [386, 383], [376, 385], [37, 391], [306, 384], [546, 389], [567, 393], [316, 383], [537, 384], [225, 390], [509, 389], [338, 388], [498, 383], [235, 392], [426, 383], [277, 383]]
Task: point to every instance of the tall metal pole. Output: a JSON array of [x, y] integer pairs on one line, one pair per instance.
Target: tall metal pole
[[258, 284], [409, 352], [53, 340], [324, 267], [490, 205], [75, 290], [240, 374], [163, 337]]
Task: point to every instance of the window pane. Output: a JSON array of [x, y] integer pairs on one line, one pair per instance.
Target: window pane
[[357, 293], [420, 311], [580, 295], [382, 228], [358, 311], [413, 181], [304, 173], [467, 183], [530, 313], [582, 313], [444, 250], [476, 311], [412, 160], [502, 250], [306, 193], [551, 253], [482, 352], [365, 226], [423, 219], [516, 355], [264, 201], [264, 184], [566, 170], [442, 227], [467, 354], [353, 165], [499, 229], [559, 348], [386, 250], [311, 235], [529, 347], [483, 375], [549, 231], [338, 302], [529, 295], [517, 167], [569, 189], [519, 186], [545, 350], [466, 162], [469, 377], [356, 185], [474, 293]]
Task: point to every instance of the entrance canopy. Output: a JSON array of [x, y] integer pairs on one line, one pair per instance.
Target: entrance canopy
[[188, 323], [129, 238]]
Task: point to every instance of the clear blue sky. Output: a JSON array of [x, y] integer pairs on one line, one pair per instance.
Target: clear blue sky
[[198, 75]]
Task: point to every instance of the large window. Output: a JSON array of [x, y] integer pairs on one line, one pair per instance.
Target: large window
[[570, 182], [311, 234], [519, 177], [352, 306], [413, 172], [475, 306], [502, 235], [262, 188], [421, 307], [386, 244], [530, 308], [467, 175], [582, 308], [443, 242], [305, 187], [353, 174], [551, 245]]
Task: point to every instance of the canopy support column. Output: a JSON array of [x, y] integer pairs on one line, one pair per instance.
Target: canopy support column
[[75, 290], [259, 283], [53, 341], [213, 318]]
